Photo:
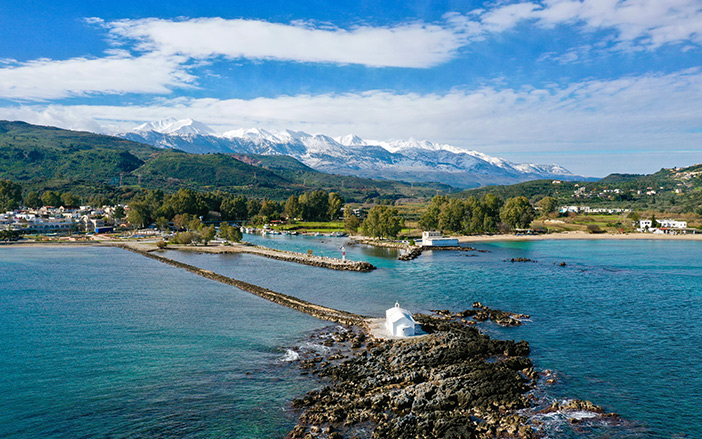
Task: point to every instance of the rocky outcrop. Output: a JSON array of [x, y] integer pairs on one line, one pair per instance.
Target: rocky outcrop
[[415, 252], [481, 313], [454, 382]]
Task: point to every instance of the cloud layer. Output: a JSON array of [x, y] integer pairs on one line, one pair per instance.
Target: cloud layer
[[48, 79], [417, 45], [155, 55], [641, 114]]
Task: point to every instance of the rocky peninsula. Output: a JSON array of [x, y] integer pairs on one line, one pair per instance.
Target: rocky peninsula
[[454, 382]]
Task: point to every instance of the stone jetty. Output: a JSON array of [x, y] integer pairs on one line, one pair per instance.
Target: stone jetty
[[283, 255], [318, 311]]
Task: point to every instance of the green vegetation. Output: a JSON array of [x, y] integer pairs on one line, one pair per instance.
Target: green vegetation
[[88, 165], [668, 190], [382, 222], [472, 216], [10, 195], [517, 213]]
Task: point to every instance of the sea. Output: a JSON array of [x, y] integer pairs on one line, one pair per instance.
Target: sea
[[102, 342]]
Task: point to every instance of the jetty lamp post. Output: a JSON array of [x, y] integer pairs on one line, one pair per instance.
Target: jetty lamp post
[[343, 253]]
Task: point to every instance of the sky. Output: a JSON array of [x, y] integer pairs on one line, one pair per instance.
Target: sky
[[597, 86]]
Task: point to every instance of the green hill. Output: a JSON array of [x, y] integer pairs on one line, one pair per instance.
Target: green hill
[[43, 158], [675, 190]]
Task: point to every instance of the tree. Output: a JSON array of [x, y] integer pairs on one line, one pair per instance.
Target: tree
[[451, 216], [547, 205], [162, 223], [32, 200], [430, 218], [208, 234], [10, 195], [229, 233], [314, 206], [187, 201], [253, 206], [269, 208], [194, 225], [51, 198], [351, 221], [139, 214], [491, 205], [69, 199], [335, 203], [235, 208], [517, 213], [654, 223], [382, 222], [181, 221], [292, 207], [118, 213]]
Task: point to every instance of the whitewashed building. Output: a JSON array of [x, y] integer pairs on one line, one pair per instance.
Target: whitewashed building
[[399, 322], [433, 238]]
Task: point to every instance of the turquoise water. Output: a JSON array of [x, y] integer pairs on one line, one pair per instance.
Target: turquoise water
[[105, 342]]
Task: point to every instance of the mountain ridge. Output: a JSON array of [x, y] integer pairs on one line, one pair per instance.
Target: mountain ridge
[[409, 160]]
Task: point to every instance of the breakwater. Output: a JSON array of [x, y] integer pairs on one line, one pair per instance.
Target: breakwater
[[318, 311], [415, 252], [287, 256]]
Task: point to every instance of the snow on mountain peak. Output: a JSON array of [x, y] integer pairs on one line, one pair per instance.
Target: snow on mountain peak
[[251, 134], [350, 140], [174, 126]]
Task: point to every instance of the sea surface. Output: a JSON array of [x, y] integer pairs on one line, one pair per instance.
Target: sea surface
[[103, 342]]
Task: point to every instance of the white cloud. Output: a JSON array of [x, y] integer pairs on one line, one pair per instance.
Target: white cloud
[[116, 74], [638, 23], [415, 45], [649, 114]]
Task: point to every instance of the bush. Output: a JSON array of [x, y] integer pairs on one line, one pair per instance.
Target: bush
[[594, 228]]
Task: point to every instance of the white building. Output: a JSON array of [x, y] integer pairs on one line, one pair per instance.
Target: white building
[[434, 238], [673, 224], [662, 225], [399, 322]]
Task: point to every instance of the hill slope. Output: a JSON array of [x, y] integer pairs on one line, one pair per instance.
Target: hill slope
[[675, 190], [51, 158]]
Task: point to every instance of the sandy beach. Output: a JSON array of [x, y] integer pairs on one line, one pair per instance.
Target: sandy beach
[[581, 236]]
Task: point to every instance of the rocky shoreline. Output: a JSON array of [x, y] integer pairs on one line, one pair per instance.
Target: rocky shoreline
[[454, 382], [417, 251]]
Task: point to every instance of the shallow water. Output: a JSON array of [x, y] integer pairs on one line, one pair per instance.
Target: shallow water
[[103, 341]]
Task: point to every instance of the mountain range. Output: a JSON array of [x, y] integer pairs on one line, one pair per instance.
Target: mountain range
[[406, 160]]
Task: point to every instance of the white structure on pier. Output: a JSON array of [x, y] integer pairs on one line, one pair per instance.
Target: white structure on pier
[[399, 322], [433, 238]]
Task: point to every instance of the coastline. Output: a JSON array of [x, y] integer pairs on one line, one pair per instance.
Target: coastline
[[577, 235]]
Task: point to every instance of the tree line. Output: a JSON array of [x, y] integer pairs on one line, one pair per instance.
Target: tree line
[[151, 206], [490, 214]]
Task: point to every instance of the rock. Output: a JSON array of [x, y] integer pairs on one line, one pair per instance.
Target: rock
[[428, 387]]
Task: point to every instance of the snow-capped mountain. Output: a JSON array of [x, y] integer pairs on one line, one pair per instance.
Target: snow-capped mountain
[[176, 127], [408, 160]]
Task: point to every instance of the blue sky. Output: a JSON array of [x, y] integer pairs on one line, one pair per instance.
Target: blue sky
[[597, 86]]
